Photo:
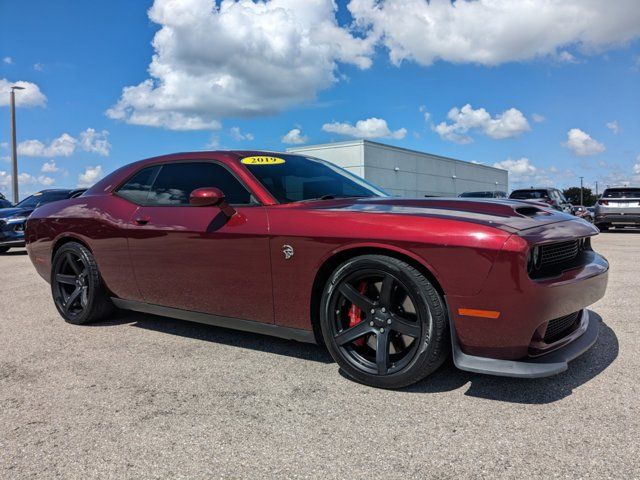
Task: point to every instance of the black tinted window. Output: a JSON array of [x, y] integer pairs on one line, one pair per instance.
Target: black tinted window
[[41, 198], [528, 194], [621, 193], [176, 181], [138, 187]]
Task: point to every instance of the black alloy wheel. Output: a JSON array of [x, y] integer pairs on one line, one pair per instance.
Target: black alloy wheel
[[383, 321], [77, 288]]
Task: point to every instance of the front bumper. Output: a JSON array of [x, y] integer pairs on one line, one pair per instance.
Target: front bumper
[[10, 237], [543, 366]]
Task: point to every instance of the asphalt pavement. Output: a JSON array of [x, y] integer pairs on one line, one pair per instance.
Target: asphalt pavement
[[150, 397]]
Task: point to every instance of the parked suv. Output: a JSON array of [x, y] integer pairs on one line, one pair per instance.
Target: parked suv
[[618, 207], [551, 196], [12, 219], [487, 194]]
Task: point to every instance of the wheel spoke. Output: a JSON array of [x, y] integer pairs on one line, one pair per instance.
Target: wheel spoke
[[84, 298], [355, 297], [353, 333], [71, 261], [386, 290], [398, 343], [72, 298], [66, 279], [382, 352], [405, 327]]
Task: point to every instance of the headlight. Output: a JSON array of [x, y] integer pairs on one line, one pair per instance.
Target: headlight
[[12, 220]]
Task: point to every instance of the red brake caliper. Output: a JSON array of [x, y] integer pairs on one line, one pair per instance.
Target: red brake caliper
[[355, 315]]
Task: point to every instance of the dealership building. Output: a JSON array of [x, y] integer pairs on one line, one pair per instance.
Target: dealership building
[[408, 173]]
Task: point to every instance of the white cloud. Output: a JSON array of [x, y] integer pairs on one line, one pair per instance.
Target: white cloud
[[95, 142], [524, 174], [507, 124], [425, 113], [65, 145], [582, 144], [38, 67], [49, 167], [614, 127], [90, 176], [491, 32], [238, 136], [237, 59], [294, 137], [25, 179], [8, 60], [31, 96], [536, 117], [369, 128]]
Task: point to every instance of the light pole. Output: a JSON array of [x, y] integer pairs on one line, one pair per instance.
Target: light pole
[[14, 154], [581, 199]]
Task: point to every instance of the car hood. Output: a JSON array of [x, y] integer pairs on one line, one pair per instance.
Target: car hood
[[509, 215], [15, 212]]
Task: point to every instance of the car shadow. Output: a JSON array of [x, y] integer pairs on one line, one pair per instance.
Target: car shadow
[[13, 253], [528, 391], [225, 336], [446, 378]]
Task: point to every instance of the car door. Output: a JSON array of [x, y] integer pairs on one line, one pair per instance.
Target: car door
[[197, 258]]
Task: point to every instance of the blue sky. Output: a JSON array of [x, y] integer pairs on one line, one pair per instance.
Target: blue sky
[[551, 99]]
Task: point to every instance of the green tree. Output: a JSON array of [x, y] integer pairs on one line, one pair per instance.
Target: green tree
[[573, 195]]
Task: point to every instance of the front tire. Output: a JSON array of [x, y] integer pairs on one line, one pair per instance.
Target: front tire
[[77, 287], [383, 322]]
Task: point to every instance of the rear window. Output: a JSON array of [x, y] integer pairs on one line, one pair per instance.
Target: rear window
[[477, 195], [621, 193], [528, 194]]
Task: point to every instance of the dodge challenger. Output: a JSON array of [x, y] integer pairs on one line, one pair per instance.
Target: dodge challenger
[[295, 247]]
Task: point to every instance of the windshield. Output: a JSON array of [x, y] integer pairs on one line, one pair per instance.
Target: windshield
[[295, 178], [621, 193], [41, 198], [528, 194]]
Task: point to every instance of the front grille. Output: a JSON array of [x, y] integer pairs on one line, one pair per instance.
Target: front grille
[[554, 253], [557, 327]]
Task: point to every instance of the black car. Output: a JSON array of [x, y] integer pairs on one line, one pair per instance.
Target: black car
[[12, 219], [551, 196], [4, 203], [487, 194]]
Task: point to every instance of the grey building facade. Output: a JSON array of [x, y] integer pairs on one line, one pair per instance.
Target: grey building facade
[[408, 173]]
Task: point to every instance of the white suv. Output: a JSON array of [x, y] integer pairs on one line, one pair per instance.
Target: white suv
[[618, 207]]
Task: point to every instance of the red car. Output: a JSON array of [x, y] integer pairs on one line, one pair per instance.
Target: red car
[[298, 248]]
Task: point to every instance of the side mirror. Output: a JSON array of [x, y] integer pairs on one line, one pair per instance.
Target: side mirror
[[209, 197]]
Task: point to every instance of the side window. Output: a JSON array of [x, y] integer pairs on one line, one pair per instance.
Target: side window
[[176, 181], [138, 187]]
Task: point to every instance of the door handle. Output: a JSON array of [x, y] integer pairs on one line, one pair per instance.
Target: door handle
[[141, 220]]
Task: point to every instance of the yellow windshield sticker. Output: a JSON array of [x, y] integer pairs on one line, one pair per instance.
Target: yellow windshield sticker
[[262, 160]]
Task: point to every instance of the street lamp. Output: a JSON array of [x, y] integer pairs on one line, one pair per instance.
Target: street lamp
[[14, 154], [581, 190]]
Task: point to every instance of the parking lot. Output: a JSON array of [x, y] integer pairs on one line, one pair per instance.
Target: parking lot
[[151, 397]]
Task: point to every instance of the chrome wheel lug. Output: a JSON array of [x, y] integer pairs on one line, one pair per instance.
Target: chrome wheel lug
[[382, 330], [389, 322], [373, 310], [371, 324], [383, 310]]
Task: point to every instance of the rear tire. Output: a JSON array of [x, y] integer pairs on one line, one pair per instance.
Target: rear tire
[[4, 250], [602, 227], [77, 287], [383, 322]]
